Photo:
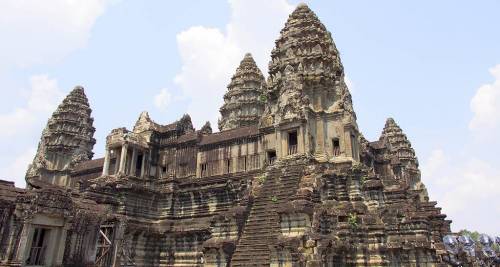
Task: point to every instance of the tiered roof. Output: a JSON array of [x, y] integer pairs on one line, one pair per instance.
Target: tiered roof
[[306, 46], [68, 136], [305, 58], [398, 144], [243, 105]]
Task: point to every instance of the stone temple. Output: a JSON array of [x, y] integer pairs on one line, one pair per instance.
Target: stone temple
[[289, 180]]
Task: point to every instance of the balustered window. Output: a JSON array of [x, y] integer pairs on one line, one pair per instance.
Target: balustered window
[[336, 147], [38, 247], [292, 142]]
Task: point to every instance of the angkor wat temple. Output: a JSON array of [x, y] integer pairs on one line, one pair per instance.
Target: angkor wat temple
[[289, 180]]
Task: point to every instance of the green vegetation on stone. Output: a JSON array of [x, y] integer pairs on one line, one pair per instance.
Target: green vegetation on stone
[[353, 220]]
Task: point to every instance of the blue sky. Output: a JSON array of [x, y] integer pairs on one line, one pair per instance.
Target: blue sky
[[432, 65]]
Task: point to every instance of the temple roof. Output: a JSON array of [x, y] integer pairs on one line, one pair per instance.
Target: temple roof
[[398, 144], [68, 134], [242, 105], [304, 63], [71, 118], [304, 38], [145, 123], [89, 165], [232, 134]]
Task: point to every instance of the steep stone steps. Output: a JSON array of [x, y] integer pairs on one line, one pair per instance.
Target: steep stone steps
[[262, 228]]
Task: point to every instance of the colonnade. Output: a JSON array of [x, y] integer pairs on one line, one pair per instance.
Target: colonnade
[[125, 163]]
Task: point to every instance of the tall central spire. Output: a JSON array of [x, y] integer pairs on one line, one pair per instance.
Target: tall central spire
[[307, 91], [305, 70]]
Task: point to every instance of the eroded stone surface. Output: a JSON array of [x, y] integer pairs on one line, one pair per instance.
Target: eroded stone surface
[[243, 101], [289, 181], [66, 140]]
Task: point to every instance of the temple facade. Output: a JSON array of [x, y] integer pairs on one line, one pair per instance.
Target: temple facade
[[289, 180]]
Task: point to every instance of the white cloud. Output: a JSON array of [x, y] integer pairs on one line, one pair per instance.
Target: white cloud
[[435, 162], [16, 170], [466, 184], [210, 55], [466, 189], [39, 32], [42, 99], [486, 106], [162, 99]]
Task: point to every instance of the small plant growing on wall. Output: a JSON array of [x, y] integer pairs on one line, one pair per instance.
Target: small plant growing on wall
[[353, 220], [261, 178], [356, 167], [274, 199], [263, 98], [362, 180]]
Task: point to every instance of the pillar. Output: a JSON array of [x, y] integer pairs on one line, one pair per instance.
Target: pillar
[[16, 226], [284, 144], [300, 140], [60, 244], [133, 162], [320, 141], [278, 144], [118, 243], [143, 165], [198, 165], [123, 158], [307, 137], [105, 169], [117, 163], [25, 240]]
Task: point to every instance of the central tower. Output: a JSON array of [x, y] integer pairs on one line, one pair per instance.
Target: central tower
[[307, 96]]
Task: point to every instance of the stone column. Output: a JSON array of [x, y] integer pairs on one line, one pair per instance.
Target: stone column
[[320, 142], [25, 240], [123, 158], [307, 136], [133, 162], [105, 169], [143, 165], [60, 244], [300, 140], [117, 163], [278, 144], [348, 148], [16, 227], [118, 242], [198, 165], [284, 144]]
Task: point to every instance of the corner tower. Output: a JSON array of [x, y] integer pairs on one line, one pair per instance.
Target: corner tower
[[404, 162], [242, 102], [306, 90], [66, 140]]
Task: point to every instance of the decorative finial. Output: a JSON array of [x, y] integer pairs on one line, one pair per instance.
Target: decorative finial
[[78, 88], [302, 4]]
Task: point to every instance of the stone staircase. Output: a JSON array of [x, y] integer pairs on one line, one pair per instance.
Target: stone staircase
[[262, 226]]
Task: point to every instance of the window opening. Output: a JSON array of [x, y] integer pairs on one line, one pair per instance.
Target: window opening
[[271, 156], [292, 142], [138, 165], [228, 165], [38, 247], [336, 147]]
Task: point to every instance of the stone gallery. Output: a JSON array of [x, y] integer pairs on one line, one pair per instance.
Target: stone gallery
[[289, 180]]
